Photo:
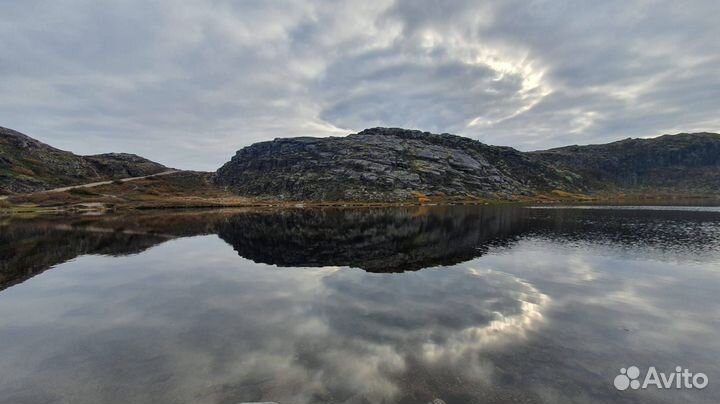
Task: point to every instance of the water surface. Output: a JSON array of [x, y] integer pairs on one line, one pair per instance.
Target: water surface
[[406, 305]]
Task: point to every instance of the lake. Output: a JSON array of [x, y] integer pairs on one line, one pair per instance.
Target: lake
[[463, 304]]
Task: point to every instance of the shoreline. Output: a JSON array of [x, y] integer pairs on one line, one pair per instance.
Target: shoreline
[[190, 190], [94, 207]]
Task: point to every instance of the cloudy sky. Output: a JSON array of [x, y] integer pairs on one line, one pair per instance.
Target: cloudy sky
[[187, 83]]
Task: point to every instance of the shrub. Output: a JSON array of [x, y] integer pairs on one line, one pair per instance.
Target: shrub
[[421, 198]]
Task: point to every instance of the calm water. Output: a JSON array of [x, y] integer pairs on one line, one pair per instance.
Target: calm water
[[460, 304]]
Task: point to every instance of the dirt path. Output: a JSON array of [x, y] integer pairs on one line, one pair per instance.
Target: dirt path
[[97, 184]]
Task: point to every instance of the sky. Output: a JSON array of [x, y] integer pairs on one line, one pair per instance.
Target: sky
[[188, 83]]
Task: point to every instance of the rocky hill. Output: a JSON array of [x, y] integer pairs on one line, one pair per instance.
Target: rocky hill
[[27, 165], [390, 164], [387, 164], [686, 162]]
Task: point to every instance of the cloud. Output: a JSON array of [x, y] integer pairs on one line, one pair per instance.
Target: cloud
[[238, 331], [188, 84]]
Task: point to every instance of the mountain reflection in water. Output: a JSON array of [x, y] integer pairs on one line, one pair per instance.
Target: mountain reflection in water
[[405, 305], [377, 240]]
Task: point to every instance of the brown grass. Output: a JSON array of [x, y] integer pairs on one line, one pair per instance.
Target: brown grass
[[194, 190]]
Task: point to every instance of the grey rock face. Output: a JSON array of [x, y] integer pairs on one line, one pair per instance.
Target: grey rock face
[[686, 162], [384, 164], [390, 164]]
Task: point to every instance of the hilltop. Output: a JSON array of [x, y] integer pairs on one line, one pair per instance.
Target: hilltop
[[392, 164], [388, 164], [376, 166], [686, 162], [28, 165]]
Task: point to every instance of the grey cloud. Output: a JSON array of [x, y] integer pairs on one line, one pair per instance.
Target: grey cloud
[[440, 94], [294, 347], [188, 83]]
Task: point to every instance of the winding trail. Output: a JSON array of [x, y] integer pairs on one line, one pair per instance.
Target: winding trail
[[97, 184]]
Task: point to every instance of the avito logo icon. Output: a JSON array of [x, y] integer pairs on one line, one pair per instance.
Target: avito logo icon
[[680, 379]]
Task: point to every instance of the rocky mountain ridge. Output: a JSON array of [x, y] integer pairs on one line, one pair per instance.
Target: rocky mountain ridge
[[28, 165], [686, 162], [396, 165], [386, 164], [393, 164]]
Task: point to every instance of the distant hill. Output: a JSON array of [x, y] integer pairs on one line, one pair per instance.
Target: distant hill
[[28, 165], [391, 164], [682, 162]]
